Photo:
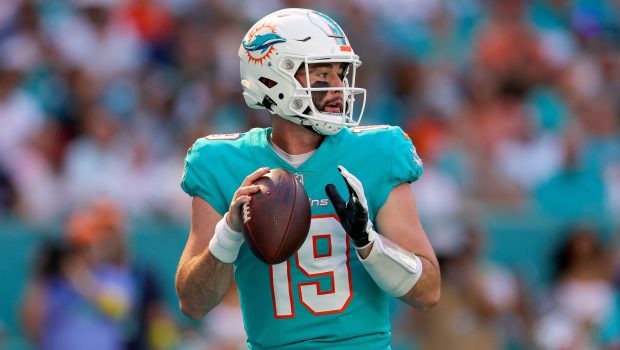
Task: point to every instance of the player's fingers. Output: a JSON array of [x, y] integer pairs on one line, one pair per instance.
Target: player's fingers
[[359, 211], [254, 176], [337, 201], [352, 192], [247, 190], [241, 200], [353, 184], [234, 212]]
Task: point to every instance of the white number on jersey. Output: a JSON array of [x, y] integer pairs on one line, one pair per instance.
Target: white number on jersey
[[333, 263]]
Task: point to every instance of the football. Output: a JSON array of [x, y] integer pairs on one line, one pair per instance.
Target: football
[[277, 219]]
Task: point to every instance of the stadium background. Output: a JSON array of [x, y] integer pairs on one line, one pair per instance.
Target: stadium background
[[513, 105]]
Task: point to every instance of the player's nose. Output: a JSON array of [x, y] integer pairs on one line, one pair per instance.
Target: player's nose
[[336, 82]]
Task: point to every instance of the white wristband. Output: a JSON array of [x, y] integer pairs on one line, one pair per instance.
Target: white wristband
[[394, 269], [226, 242]]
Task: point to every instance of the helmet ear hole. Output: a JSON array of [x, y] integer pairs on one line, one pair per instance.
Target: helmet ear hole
[[268, 82]]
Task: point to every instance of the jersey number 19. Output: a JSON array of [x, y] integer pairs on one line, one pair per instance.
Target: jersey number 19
[[324, 254]]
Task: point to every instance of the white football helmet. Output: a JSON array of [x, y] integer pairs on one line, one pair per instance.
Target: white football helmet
[[281, 43]]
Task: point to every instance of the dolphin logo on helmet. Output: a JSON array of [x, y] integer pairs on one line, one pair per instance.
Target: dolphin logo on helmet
[[263, 42]]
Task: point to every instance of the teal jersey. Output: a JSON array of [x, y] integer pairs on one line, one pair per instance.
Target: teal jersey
[[322, 297]]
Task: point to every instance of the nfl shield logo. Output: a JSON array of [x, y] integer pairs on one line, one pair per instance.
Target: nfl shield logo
[[300, 178]]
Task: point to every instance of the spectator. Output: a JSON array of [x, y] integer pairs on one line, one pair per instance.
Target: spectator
[[74, 301], [581, 295], [38, 176], [20, 115], [87, 294], [100, 43]]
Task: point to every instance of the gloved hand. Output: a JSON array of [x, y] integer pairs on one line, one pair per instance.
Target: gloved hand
[[353, 214]]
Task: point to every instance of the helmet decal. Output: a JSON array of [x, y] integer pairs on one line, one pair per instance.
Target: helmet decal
[[334, 27], [260, 43]]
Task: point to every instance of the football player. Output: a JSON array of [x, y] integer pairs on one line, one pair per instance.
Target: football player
[[365, 244]]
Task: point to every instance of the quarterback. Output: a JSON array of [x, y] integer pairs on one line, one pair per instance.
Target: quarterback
[[365, 244]]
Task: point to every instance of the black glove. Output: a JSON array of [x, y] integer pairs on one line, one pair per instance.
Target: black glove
[[354, 213]]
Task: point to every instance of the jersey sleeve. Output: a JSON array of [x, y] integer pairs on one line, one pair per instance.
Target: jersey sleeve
[[406, 164], [398, 162], [199, 178]]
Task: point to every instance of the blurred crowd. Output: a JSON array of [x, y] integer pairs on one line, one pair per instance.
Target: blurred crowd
[[86, 292], [514, 107]]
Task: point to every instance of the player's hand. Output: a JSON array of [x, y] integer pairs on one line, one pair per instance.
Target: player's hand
[[242, 196], [353, 214]]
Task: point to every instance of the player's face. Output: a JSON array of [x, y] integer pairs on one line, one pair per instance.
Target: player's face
[[325, 75]]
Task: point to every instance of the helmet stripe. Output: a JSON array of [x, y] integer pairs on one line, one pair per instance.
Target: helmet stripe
[[335, 28]]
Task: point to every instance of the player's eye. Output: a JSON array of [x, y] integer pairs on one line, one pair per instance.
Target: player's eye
[[322, 75]]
